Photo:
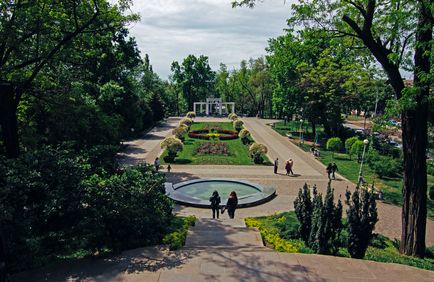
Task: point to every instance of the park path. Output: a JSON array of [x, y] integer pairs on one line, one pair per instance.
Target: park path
[[225, 249]]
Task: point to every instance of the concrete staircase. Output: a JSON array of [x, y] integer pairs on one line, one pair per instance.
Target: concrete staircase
[[223, 233]]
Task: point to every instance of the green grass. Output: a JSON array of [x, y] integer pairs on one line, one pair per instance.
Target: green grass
[[238, 152], [293, 127], [279, 231]]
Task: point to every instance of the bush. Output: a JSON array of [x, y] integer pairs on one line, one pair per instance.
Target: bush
[[232, 116], [176, 238], [180, 131], [431, 192], [326, 223], [257, 151], [127, 209], [190, 115], [362, 217], [430, 167], [186, 121], [334, 144], [303, 210], [349, 143], [244, 135], [238, 124], [173, 146], [384, 166], [357, 149]]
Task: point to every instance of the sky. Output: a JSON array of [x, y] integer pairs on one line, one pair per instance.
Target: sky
[[170, 30]]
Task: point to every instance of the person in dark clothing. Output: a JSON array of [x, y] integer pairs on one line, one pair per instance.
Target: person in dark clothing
[[231, 204], [329, 169], [334, 169], [215, 203], [276, 165]]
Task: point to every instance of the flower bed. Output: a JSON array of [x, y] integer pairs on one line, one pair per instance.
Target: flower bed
[[208, 148], [223, 134]]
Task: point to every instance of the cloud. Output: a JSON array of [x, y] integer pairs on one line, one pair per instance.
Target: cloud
[[170, 30]]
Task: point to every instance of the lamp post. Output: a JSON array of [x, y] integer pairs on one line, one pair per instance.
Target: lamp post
[[301, 132], [365, 143]]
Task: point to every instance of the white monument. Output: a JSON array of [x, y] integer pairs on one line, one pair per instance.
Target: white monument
[[214, 105]]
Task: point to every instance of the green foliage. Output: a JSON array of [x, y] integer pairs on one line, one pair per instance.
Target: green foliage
[[431, 192], [303, 210], [57, 201], [186, 121], [257, 151], [362, 217], [349, 143], [384, 166], [326, 223], [238, 124], [357, 149], [244, 134], [173, 146], [180, 131], [334, 144], [190, 115], [179, 228], [232, 116]]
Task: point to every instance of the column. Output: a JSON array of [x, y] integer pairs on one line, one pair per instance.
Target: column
[[220, 108], [233, 107], [194, 107], [206, 108]]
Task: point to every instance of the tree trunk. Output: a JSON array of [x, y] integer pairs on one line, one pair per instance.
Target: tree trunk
[[414, 133], [8, 120], [313, 132]]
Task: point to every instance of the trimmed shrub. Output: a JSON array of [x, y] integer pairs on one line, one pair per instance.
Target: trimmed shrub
[[173, 146], [362, 217], [180, 131], [257, 151], [334, 144], [238, 124], [232, 116], [244, 135], [349, 143], [303, 210], [190, 115], [176, 239], [188, 122], [431, 192], [357, 149]]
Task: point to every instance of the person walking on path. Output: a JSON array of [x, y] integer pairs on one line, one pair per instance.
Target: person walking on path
[[329, 169], [287, 167], [276, 165], [334, 169], [231, 204], [215, 203], [157, 163], [290, 165], [169, 168]]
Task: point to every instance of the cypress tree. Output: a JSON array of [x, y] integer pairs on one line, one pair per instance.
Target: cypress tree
[[303, 210]]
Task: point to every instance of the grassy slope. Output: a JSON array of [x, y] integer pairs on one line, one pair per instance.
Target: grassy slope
[[239, 153]]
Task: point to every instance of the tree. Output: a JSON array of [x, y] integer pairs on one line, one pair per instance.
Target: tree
[[334, 144], [173, 146], [362, 217], [33, 36], [349, 143], [393, 32], [194, 78], [303, 210]]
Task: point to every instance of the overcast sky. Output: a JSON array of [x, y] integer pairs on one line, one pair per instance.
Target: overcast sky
[[172, 29]]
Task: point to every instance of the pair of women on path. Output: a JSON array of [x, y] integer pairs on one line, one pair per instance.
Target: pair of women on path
[[231, 204]]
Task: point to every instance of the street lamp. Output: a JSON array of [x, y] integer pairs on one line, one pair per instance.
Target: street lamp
[[301, 132], [360, 179]]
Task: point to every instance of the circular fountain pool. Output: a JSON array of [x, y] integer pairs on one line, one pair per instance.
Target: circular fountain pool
[[197, 192]]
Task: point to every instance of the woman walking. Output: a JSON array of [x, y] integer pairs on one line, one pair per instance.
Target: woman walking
[[215, 203], [231, 204]]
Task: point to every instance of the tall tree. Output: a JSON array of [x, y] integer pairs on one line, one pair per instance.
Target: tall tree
[[394, 32], [34, 34], [194, 77]]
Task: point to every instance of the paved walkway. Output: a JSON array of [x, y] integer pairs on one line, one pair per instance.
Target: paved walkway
[[226, 250]]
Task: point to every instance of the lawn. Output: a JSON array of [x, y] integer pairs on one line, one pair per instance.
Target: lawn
[[293, 128], [238, 152], [280, 232]]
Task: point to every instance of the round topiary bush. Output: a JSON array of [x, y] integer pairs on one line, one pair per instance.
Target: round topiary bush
[[180, 131], [190, 115], [173, 146], [334, 144], [257, 151], [238, 124], [187, 121], [232, 116], [349, 143], [244, 135]]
